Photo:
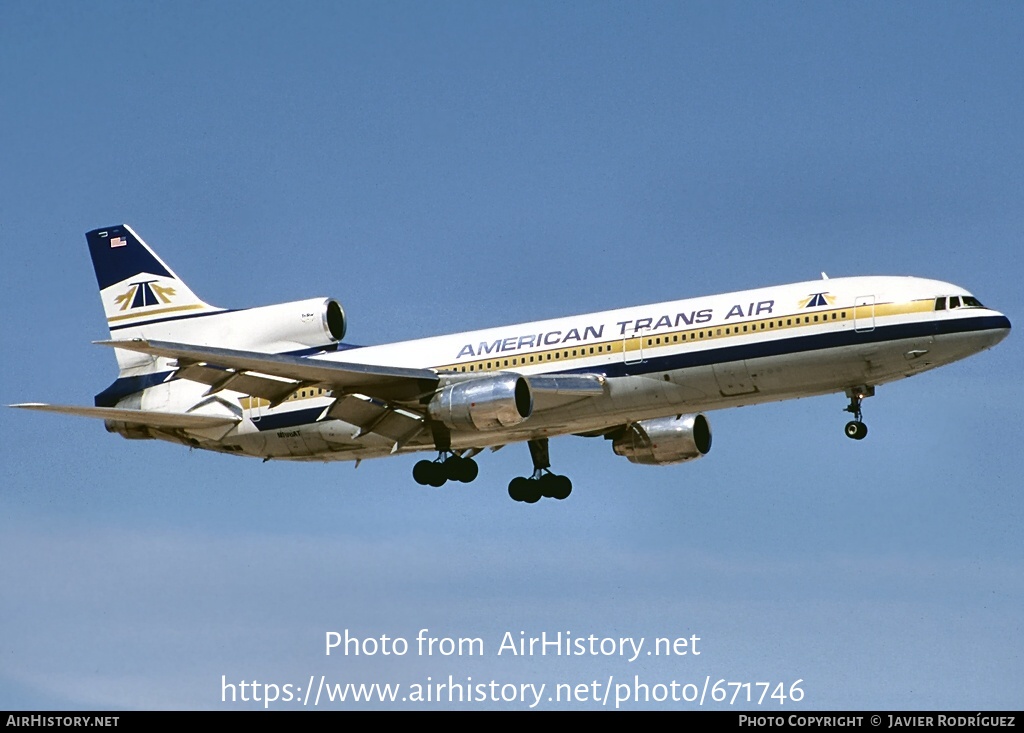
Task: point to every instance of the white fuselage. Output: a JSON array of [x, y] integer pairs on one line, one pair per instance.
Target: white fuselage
[[686, 356]]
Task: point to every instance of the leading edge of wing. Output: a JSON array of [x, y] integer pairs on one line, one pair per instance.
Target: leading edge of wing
[[139, 417], [396, 382]]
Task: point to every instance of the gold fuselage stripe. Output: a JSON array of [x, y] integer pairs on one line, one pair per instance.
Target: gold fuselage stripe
[[625, 344], [158, 312], [633, 343]]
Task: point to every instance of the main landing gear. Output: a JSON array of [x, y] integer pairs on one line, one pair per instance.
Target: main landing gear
[[451, 466], [448, 466], [542, 482], [856, 429]]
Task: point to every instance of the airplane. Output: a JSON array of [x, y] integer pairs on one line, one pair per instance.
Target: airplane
[[279, 382]]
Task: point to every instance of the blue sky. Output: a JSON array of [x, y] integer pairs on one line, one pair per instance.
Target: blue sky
[[448, 166]]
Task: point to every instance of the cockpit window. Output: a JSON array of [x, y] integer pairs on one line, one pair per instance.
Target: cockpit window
[[957, 301]]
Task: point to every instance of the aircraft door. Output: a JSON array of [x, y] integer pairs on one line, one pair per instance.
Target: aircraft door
[[633, 345], [252, 408], [864, 314]]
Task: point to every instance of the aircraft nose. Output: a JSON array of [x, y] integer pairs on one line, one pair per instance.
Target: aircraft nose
[[1001, 327]]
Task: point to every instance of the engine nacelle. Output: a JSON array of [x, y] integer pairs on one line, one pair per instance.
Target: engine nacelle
[[131, 431], [665, 440], [284, 327], [274, 329], [134, 431], [487, 403]]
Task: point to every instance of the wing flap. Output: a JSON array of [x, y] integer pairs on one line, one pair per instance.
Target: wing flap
[[273, 389], [371, 416]]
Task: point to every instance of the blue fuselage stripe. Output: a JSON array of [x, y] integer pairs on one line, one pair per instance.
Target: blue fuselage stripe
[[124, 386], [687, 358], [794, 345]]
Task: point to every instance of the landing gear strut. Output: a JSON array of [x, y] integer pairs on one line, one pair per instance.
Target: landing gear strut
[[542, 482], [856, 429]]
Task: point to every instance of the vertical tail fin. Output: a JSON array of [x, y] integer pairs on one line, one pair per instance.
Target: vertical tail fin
[[137, 288], [135, 285]]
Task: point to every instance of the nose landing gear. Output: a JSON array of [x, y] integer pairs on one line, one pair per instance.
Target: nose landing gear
[[856, 429]]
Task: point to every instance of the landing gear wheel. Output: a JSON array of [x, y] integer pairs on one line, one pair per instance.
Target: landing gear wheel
[[468, 471], [856, 429], [518, 488], [553, 486], [533, 492], [422, 472], [562, 488], [436, 477], [453, 468], [547, 483]]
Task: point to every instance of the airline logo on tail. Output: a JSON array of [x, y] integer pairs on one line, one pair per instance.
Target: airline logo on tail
[[139, 295], [144, 296]]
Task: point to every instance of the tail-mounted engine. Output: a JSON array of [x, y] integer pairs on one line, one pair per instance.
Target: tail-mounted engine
[[309, 323], [665, 440], [315, 323]]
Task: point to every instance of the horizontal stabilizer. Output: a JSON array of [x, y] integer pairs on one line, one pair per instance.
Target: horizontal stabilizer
[[140, 417]]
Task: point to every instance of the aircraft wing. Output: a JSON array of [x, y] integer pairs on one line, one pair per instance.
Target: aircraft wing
[[275, 376], [139, 417], [377, 399]]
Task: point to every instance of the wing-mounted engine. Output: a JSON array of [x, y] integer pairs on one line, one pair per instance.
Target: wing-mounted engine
[[485, 403], [664, 440]]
